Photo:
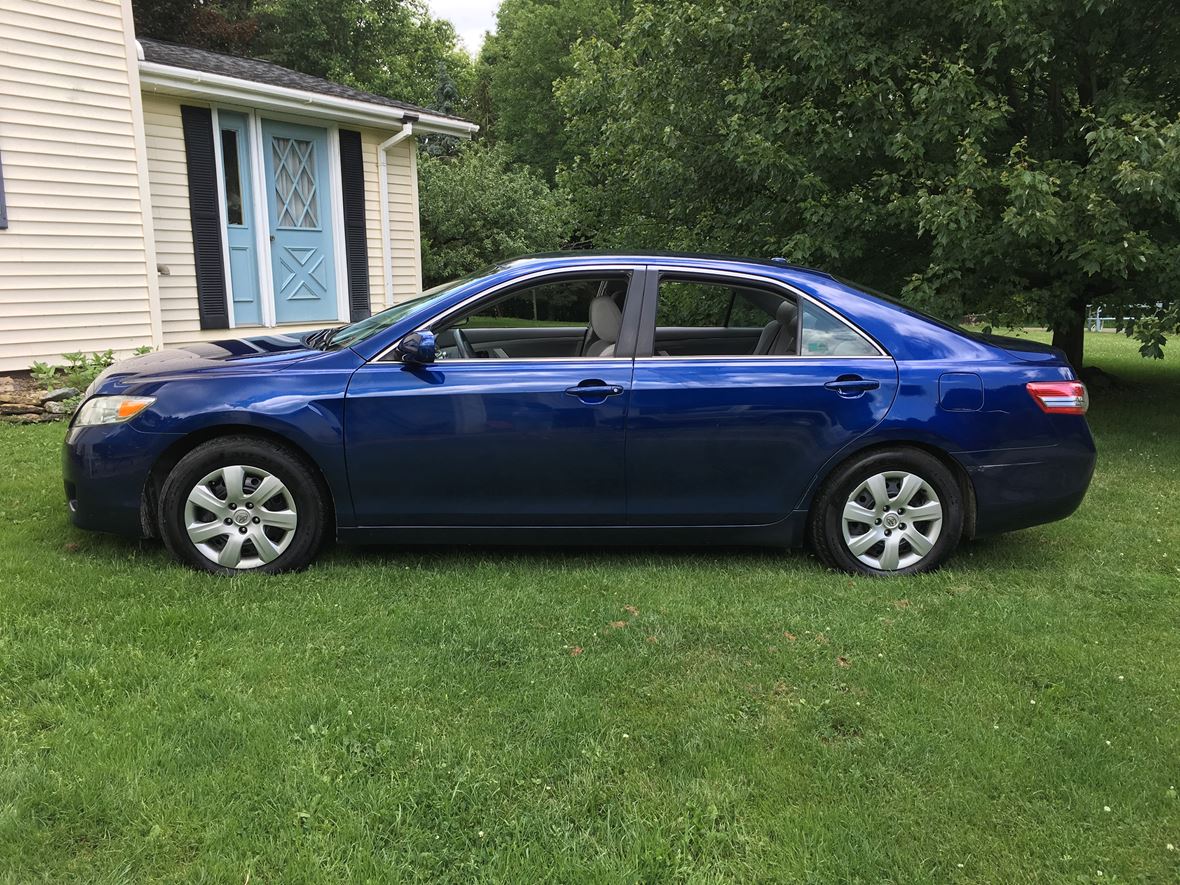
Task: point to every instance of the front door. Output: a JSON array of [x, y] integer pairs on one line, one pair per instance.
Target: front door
[[519, 423], [747, 392], [299, 208]]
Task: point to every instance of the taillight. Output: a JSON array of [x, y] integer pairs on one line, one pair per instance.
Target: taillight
[[1060, 397]]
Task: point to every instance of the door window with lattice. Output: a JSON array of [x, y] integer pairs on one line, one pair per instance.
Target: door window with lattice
[[295, 182]]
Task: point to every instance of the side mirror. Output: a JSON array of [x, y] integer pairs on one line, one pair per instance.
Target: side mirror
[[417, 349]]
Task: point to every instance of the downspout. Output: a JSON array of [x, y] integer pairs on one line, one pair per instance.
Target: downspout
[[383, 195]]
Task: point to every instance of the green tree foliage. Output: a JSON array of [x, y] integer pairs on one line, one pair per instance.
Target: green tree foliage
[[1016, 159], [520, 63], [391, 47], [478, 208]]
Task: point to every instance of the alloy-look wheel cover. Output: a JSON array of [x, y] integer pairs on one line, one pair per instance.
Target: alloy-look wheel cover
[[240, 517], [892, 520]]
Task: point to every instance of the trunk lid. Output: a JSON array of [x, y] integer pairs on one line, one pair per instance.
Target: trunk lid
[[1029, 351]]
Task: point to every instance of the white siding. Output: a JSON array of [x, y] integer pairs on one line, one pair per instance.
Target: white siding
[[74, 260]]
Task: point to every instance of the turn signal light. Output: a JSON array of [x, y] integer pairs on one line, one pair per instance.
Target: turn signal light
[[1060, 397]]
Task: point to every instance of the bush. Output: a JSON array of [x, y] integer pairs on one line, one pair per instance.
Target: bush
[[478, 209]]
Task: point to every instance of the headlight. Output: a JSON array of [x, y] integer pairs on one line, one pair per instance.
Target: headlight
[[111, 409]]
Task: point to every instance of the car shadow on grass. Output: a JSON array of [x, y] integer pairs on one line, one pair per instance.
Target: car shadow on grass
[[1027, 550], [1018, 550]]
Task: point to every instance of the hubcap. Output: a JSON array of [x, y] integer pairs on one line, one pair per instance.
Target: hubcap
[[240, 517], [892, 520]]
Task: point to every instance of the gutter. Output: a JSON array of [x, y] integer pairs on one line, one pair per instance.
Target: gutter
[[383, 195], [232, 90]]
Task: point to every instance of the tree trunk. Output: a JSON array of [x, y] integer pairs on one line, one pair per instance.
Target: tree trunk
[[1071, 337]]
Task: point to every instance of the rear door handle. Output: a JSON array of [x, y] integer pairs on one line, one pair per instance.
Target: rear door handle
[[593, 390], [851, 385]]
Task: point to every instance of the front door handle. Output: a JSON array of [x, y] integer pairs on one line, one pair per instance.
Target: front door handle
[[594, 390], [852, 385]]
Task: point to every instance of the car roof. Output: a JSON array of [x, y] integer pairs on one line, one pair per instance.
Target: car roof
[[702, 259]]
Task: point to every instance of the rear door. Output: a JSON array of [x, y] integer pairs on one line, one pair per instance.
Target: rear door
[[717, 438]]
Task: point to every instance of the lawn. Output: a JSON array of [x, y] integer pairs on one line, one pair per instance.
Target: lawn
[[604, 715]]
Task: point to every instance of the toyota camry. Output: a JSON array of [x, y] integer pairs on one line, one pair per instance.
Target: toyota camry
[[591, 399]]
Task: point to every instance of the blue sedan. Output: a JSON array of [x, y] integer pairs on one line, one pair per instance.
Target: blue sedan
[[591, 398]]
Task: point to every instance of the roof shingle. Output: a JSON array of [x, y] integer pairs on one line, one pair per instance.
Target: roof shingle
[[191, 58]]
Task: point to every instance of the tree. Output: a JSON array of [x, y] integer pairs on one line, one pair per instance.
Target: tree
[[477, 208], [529, 52], [390, 47], [219, 25], [1018, 160]]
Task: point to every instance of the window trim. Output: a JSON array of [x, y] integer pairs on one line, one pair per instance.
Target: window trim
[[627, 331], [647, 322]]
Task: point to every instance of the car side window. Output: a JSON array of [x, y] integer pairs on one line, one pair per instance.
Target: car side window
[[825, 335], [566, 318], [706, 318]]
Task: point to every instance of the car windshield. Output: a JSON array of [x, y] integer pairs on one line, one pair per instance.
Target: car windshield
[[346, 336]]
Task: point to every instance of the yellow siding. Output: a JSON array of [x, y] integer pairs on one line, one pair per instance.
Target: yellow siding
[[74, 260], [170, 218], [403, 219]]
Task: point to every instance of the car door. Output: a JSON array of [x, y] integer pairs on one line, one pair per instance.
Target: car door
[[497, 437], [735, 439]]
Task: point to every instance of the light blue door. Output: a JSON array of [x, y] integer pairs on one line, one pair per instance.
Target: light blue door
[[239, 218], [299, 204]]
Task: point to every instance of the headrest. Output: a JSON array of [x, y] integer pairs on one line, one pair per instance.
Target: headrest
[[787, 312], [605, 319]]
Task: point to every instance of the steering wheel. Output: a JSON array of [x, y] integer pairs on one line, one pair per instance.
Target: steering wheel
[[466, 352]]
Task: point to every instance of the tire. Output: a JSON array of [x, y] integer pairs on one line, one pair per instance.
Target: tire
[[277, 525], [859, 520]]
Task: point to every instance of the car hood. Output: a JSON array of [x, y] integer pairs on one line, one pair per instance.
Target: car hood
[[261, 352]]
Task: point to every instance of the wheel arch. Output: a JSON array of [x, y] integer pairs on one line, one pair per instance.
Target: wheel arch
[[958, 471], [170, 457]]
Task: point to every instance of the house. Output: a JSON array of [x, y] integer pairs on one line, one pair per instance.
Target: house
[[155, 194]]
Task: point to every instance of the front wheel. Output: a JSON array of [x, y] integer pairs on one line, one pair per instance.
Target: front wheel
[[239, 504], [893, 512]]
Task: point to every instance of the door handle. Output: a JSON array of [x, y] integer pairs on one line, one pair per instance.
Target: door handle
[[852, 385], [593, 390]]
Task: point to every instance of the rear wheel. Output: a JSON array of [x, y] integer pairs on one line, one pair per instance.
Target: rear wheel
[[893, 512], [239, 504]]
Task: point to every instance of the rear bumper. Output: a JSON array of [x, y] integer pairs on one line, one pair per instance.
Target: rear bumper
[[105, 469], [1018, 488]]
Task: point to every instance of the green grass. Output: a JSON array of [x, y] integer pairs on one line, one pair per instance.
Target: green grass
[[403, 714]]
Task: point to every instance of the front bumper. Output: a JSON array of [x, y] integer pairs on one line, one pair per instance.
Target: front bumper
[[105, 469]]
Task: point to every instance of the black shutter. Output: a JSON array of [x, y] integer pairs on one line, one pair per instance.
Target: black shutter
[[352, 180], [205, 217]]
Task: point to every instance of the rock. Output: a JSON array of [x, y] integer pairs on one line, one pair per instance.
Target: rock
[[21, 399], [20, 409], [58, 394], [39, 418], [56, 408], [7, 384]]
